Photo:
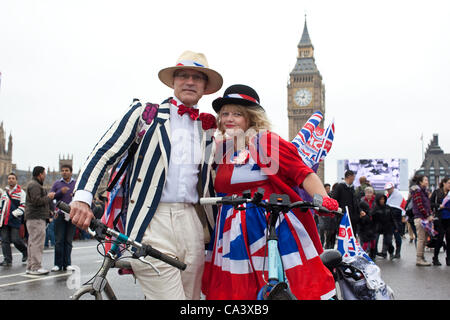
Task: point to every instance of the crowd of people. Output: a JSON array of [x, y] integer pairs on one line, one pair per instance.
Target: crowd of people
[[388, 216], [30, 221]]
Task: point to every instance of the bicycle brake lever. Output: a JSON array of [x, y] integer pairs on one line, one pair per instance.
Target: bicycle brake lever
[[150, 264]]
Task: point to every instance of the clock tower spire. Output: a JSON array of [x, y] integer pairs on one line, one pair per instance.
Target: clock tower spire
[[306, 92]]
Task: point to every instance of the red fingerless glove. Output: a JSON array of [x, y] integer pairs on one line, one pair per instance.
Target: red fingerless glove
[[330, 204]]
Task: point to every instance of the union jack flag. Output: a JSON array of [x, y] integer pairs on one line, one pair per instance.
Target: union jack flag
[[236, 262], [115, 214], [313, 143], [348, 246]]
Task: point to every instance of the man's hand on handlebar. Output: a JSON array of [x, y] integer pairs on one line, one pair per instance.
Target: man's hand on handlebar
[[81, 214]]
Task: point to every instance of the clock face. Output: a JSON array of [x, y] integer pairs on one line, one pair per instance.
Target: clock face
[[303, 97]]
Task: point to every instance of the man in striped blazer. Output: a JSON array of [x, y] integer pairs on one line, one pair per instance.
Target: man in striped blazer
[[168, 174]]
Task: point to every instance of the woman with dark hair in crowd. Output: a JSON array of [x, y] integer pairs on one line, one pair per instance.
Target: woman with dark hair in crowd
[[442, 223], [422, 213]]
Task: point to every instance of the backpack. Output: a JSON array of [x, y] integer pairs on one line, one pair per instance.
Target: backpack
[[409, 208]]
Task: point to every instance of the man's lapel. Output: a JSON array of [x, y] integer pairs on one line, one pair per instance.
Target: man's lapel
[[163, 132]]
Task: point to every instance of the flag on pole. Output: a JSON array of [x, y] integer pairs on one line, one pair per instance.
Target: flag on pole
[[348, 246], [114, 216], [353, 254]]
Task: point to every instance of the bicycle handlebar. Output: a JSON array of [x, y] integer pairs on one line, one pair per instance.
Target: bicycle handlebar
[[283, 203], [98, 226], [233, 200]]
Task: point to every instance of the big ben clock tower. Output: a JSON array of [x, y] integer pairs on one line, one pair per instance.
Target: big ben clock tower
[[306, 92]]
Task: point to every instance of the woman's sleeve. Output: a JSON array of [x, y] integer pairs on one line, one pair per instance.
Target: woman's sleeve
[[278, 156], [417, 200]]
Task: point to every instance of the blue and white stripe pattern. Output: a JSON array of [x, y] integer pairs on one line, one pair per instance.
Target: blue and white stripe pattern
[[149, 168]]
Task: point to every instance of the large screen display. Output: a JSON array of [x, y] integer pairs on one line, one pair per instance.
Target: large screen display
[[377, 171]]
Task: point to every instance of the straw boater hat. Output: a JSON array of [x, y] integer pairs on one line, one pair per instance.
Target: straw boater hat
[[194, 61]]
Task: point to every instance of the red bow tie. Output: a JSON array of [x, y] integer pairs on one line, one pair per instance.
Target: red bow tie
[[193, 113], [182, 109]]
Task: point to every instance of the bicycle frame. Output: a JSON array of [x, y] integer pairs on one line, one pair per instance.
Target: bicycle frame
[[276, 287], [276, 274], [100, 284]]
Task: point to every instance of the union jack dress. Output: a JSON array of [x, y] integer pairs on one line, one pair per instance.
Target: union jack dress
[[236, 263]]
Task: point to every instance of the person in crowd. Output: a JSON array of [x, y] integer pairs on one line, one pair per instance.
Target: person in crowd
[[98, 207], [50, 232], [397, 203], [327, 187], [367, 231], [368, 200], [64, 229], [422, 214], [410, 221], [328, 230], [384, 224], [169, 142], [345, 195], [326, 225], [12, 208], [234, 267], [37, 211], [363, 184], [445, 223], [442, 219]]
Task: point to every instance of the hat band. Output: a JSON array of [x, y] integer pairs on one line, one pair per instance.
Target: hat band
[[189, 63], [242, 96]]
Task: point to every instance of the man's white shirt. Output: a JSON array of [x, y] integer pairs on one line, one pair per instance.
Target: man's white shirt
[[185, 157]]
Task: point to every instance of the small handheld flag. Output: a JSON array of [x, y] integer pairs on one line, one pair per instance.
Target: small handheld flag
[[313, 143]]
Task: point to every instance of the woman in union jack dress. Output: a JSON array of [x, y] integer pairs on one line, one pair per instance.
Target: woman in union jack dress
[[248, 158]]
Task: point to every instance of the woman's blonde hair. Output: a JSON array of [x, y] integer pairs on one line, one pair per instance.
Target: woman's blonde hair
[[257, 118]]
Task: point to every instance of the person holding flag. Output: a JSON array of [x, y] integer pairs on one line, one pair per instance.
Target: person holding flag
[[397, 203], [248, 157]]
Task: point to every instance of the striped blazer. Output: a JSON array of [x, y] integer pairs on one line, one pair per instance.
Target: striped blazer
[[149, 166]]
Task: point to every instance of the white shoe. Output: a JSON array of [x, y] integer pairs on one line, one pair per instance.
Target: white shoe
[[55, 269], [39, 272], [70, 268]]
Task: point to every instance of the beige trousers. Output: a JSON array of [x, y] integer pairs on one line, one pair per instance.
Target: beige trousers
[[421, 238], [36, 239], [175, 230]]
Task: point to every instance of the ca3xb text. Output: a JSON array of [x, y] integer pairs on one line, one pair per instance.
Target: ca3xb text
[[229, 309]]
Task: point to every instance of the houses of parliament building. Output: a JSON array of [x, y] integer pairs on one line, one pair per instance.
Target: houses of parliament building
[[23, 176]]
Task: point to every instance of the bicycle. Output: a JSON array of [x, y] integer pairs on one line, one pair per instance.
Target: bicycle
[[99, 284], [276, 287]]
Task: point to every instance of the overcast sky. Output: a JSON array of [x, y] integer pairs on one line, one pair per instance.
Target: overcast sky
[[70, 68]]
